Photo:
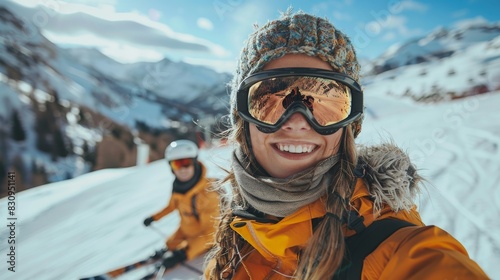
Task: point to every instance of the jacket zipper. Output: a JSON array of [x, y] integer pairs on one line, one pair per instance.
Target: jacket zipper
[[278, 260]]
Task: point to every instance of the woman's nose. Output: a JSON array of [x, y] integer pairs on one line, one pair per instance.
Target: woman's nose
[[296, 122]]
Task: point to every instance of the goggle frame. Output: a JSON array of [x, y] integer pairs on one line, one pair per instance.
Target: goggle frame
[[356, 112], [177, 164]]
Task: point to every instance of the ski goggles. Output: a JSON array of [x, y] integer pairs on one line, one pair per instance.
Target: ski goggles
[[181, 163], [328, 100]]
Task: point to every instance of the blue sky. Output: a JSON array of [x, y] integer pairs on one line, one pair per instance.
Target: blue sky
[[212, 32]]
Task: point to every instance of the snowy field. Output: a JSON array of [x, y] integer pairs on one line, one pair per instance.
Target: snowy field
[[93, 223]]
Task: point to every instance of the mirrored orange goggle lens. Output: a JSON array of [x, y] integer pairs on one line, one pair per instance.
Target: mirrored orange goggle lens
[[179, 163], [328, 100]]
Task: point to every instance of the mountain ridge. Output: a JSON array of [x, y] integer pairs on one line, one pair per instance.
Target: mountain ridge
[[440, 43]]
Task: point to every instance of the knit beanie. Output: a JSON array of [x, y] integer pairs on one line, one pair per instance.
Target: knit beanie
[[297, 33]]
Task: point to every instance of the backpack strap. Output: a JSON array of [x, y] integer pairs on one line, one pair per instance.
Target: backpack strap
[[196, 214], [359, 246], [193, 206]]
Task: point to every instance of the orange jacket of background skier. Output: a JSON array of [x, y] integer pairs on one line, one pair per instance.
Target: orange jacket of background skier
[[198, 223]]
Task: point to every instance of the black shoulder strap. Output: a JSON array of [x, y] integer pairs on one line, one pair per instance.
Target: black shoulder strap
[[193, 202], [359, 246], [193, 206]]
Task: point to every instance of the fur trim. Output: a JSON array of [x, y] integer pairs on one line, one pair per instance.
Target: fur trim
[[390, 176]]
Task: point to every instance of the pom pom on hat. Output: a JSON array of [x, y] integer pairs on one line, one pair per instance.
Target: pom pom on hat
[[298, 33]]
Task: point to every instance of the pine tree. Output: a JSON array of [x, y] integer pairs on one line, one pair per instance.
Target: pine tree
[[60, 147], [88, 154], [3, 174], [42, 142], [17, 132]]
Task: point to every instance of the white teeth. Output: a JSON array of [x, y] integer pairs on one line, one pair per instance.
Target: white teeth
[[296, 149]]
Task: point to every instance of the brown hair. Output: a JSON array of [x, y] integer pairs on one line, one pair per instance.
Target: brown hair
[[315, 262]]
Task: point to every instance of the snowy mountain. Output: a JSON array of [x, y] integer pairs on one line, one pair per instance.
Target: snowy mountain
[[87, 77], [93, 223], [471, 67], [172, 80], [78, 96], [440, 43], [93, 58]]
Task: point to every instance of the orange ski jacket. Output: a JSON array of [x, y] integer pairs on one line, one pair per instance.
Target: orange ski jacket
[[198, 210], [415, 252], [386, 191]]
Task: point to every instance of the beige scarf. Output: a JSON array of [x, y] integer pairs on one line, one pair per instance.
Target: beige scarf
[[282, 197]]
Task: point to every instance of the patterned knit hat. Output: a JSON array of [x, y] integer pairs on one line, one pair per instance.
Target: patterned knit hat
[[298, 33]]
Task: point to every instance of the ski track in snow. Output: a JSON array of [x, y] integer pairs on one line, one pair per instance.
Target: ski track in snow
[[471, 215]]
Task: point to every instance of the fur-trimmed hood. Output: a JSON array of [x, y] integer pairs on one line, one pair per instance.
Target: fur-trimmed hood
[[390, 176]]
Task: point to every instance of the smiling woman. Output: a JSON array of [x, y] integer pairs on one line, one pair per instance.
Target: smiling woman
[[307, 202]]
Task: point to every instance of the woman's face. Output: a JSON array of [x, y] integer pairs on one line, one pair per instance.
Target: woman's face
[[296, 145]]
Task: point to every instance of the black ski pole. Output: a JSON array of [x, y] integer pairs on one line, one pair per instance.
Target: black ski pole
[[122, 270], [157, 230], [192, 268], [160, 272]]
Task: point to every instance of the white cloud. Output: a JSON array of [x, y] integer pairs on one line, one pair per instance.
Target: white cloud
[[243, 17], [154, 14], [460, 13], [252, 12], [129, 54], [93, 3], [341, 16], [394, 22], [218, 65], [410, 5], [479, 20], [205, 23], [389, 36], [320, 7], [391, 22], [67, 23], [119, 51], [62, 7]]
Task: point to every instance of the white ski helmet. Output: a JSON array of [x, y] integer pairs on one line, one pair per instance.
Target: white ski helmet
[[181, 149]]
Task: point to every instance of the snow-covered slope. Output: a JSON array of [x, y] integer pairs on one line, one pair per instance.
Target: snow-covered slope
[[93, 223]]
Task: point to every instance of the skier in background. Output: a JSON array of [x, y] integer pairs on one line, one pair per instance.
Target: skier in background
[[198, 206]]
